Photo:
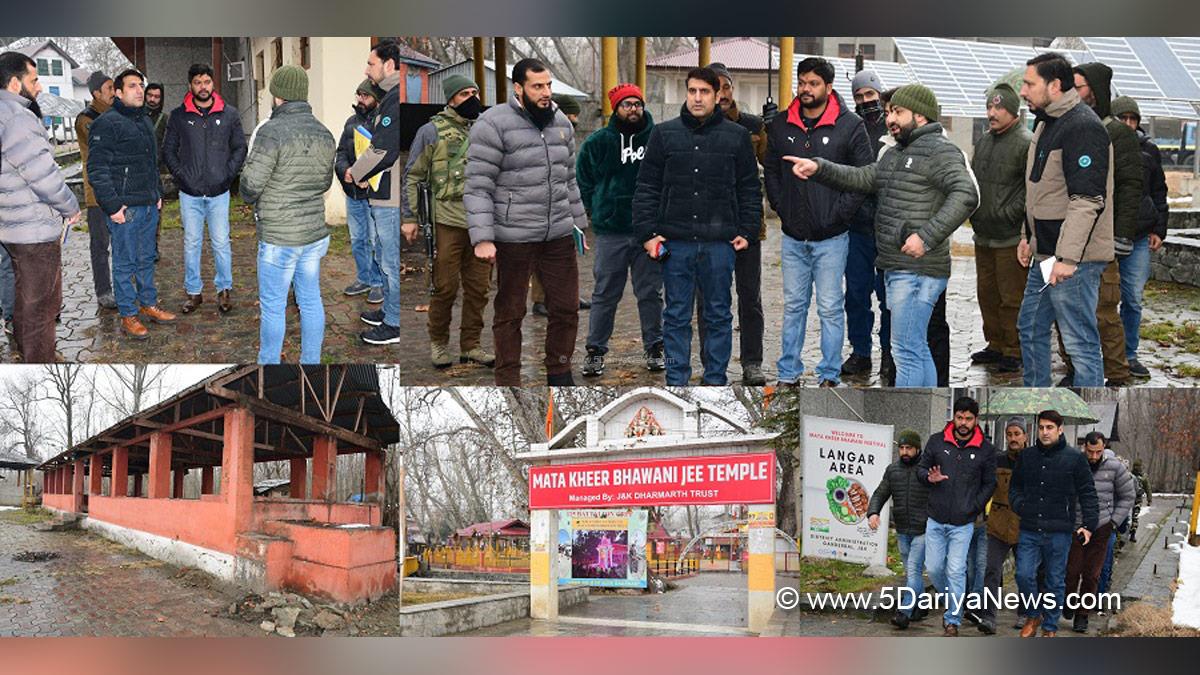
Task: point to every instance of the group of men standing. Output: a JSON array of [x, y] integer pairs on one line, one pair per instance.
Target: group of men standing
[[283, 170], [960, 508], [868, 199]]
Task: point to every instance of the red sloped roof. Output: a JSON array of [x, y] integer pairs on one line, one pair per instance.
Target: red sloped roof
[[737, 53], [513, 527], [657, 531]]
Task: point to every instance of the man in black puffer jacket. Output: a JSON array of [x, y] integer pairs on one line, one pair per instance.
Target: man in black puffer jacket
[[910, 511], [204, 147], [1048, 480], [698, 196], [369, 277], [123, 169], [815, 217]]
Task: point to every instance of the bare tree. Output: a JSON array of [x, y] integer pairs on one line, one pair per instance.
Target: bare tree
[[130, 386], [20, 413], [66, 382]]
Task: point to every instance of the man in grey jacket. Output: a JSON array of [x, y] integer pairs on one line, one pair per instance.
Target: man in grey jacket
[[523, 208], [1116, 491], [36, 207]]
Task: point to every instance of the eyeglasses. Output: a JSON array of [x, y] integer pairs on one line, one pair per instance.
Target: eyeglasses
[[631, 105]]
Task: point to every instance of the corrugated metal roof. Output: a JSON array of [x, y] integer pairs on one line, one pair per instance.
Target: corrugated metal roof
[[737, 53]]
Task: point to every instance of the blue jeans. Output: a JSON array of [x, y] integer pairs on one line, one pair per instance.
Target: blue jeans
[[1135, 272], [912, 551], [911, 299], [387, 247], [615, 258], [194, 211], [861, 279], [1049, 551], [8, 285], [280, 267], [1106, 570], [362, 241], [807, 264], [709, 265], [134, 251], [946, 548], [1073, 304], [977, 561]]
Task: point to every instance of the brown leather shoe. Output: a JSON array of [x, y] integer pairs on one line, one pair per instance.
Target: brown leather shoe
[[158, 314], [192, 302], [134, 328], [224, 303], [1031, 626], [949, 630]]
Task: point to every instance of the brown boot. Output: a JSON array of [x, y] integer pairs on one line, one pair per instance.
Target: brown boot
[[158, 315], [134, 328], [1049, 633], [949, 630], [1030, 627], [192, 302], [224, 303]]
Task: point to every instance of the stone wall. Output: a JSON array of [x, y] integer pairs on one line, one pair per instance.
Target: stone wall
[[1179, 258], [457, 616]]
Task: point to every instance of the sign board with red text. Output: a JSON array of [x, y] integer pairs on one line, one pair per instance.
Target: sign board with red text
[[728, 479]]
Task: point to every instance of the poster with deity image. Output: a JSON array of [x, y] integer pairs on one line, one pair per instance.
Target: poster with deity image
[[603, 547]]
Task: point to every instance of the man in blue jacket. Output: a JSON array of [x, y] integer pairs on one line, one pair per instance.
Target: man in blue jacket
[[123, 169], [1048, 480]]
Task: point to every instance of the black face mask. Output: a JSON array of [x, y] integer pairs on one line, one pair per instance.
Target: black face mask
[[542, 117], [470, 108], [870, 111]]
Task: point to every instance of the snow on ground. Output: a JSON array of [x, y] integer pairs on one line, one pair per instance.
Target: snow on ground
[[8, 508], [1186, 606]]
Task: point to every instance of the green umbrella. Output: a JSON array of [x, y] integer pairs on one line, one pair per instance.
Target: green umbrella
[[1013, 78], [1008, 402]]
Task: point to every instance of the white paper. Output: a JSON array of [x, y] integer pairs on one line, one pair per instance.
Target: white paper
[[1047, 265]]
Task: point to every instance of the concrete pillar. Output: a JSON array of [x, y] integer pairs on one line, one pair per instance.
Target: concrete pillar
[[543, 554], [786, 54], [760, 565], [299, 476], [137, 485], [95, 474], [237, 467], [118, 485], [373, 483], [160, 466], [206, 480], [324, 469], [77, 486], [177, 483], [608, 74]]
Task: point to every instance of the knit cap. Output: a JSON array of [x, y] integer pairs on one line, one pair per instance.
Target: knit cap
[[917, 98], [1124, 105], [370, 89], [865, 78], [1015, 422], [1002, 95], [909, 437], [456, 83], [96, 80], [623, 91], [567, 104], [721, 70], [290, 83]]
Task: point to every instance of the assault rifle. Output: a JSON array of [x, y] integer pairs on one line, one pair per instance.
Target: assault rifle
[[425, 218]]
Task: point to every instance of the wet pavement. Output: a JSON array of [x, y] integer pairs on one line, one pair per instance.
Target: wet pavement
[[1169, 365], [88, 334], [97, 588]]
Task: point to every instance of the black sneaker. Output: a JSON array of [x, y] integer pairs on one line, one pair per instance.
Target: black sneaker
[[987, 627], [1008, 364], [986, 356], [382, 334], [655, 361], [900, 620], [372, 318], [560, 380], [1068, 614], [752, 375], [593, 365], [1080, 624], [1137, 369], [971, 616], [856, 365], [887, 370], [1068, 380], [539, 309], [584, 304]]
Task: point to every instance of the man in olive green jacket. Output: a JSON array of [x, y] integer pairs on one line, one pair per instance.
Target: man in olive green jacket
[[288, 170], [999, 166]]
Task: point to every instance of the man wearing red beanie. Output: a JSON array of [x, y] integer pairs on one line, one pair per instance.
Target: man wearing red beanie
[[607, 170]]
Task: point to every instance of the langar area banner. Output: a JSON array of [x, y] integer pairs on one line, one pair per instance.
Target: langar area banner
[[603, 547], [843, 464]]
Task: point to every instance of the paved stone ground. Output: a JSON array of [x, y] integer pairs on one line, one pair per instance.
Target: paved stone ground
[[1151, 580], [88, 334], [1163, 302], [98, 588], [1127, 565]]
